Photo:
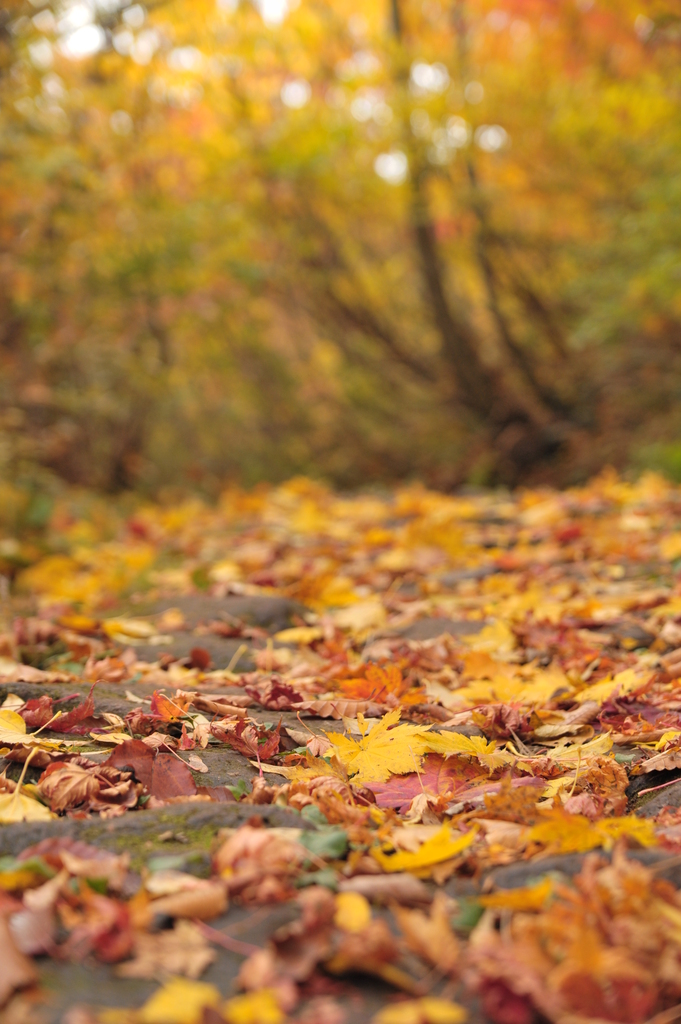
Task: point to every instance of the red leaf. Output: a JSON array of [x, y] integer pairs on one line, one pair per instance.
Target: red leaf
[[40, 710], [37, 712], [439, 777], [274, 695], [134, 756], [187, 742], [80, 720], [104, 929], [503, 1006], [248, 738], [162, 775], [167, 708], [199, 658], [218, 794], [171, 777]]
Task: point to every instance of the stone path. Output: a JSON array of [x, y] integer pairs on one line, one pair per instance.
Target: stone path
[[183, 834]]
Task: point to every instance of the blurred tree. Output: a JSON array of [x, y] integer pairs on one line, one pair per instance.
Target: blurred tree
[[436, 238]]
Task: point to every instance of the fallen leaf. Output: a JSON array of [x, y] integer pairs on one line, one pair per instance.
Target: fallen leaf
[[401, 887], [19, 807], [526, 898], [382, 751], [484, 750], [438, 776], [65, 786], [430, 935], [248, 738], [441, 847], [254, 1008], [180, 1001], [181, 951], [17, 970], [338, 708], [573, 833], [353, 912], [428, 1010], [203, 903], [302, 635], [196, 764], [162, 775]]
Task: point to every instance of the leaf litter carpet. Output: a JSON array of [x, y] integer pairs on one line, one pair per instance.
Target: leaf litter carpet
[[409, 759]]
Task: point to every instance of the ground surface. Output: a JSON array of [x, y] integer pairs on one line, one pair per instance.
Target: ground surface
[[484, 690]]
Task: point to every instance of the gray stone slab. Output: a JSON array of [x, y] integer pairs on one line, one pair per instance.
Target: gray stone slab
[[269, 612], [196, 822], [430, 628], [569, 864], [96, 985], [451, 579], [648, 805], [222, 651]]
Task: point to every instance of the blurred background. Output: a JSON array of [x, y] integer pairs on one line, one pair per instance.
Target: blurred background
[[362, 240]]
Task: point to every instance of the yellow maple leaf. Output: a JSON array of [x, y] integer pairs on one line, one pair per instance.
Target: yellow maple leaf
[[495, 638], [179, 1001], [449, 743], [13, 733], [574, 833], [12, 726], [444, 845], [353, 912], [312, 769], [302, 635], [19, 807], [382, 751], [428, 1010], [623, 683], [528, 897], [570, 751], [261, 1007]]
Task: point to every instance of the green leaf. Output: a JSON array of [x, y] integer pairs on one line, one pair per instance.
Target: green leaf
[[313, 814], [240, 790], [326, 877], [329, 842]]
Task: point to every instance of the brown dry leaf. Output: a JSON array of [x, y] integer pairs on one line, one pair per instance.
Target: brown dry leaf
[[203, 902], [223, 706], [183, 950], [69, 785], [567, 723], [513, 803], [443, 846], [16, 970], [430, 935], [374, 950], [339, 708], [399, 888], [666, 760], [259, 863]]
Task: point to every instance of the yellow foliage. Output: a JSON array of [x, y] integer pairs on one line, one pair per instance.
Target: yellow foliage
[[485, 751], [353, 912], [440, 847], [382, 751], [531, 897], [17, 806], [428, 1010], [261, 1007], [179, 1001], [573, 833]]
